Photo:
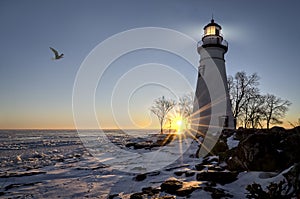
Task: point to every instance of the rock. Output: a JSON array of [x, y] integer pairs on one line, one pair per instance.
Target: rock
[[189, 173], [235, 164], [293, 177], [187, 188], [18, 158], [177, 167], [137, 196], [179, 188], [221, 177], [150, 191], [112, 196], [179, 173], [264, 150], [153, 173], [217, 193], [290, 148], [258, 152], [140, 177], [143, 176], [219, 147], [200, 167], [215, 168], [210, 159], [37, 155], [166, 197], [171, 185]]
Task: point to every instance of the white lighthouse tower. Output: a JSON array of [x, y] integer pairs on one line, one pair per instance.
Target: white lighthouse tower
[[212, 49]]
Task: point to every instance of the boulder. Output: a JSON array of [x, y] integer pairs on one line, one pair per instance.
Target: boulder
[[150, 191], [179, 188], [171, 185], [137, 196], [293, 177], [264, 150], [187, 188], [258, 152], [221, 177], [219, 147], [290, 149], [140, 177]]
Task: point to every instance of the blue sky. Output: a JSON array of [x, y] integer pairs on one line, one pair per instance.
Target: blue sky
[[36, 92]]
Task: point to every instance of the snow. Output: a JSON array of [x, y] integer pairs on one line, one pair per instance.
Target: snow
[[231, 142], [65, 169], [238, 187]]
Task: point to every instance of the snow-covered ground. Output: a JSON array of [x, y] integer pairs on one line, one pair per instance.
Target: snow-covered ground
[[232, 142], [52, 164]]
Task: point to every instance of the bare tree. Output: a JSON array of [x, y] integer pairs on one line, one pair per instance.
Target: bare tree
[[253, 111], [275, 109], [295, 124], [185, 105], [241, 89], [160, 108]]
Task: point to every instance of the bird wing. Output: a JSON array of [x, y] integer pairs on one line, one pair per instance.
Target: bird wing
[[54, 51]]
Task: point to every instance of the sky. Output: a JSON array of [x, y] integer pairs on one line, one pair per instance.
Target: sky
[[36, 92]]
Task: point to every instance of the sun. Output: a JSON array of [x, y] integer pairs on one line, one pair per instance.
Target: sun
[[180, 125]]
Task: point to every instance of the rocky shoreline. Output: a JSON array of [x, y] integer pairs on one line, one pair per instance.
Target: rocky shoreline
[[244, 163], [273, 154]]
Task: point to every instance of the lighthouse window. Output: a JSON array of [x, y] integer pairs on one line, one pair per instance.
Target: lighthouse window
[[211, 30]]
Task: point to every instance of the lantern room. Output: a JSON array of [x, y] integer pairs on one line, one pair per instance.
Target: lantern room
[[212, 29], [212, 37]]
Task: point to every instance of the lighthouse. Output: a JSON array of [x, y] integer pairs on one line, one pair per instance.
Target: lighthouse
[[212, 87]]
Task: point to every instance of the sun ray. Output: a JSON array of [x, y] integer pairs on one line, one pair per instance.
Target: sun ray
[[209, 105]]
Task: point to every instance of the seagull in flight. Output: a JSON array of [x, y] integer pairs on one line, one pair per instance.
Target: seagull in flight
[[57, 56]]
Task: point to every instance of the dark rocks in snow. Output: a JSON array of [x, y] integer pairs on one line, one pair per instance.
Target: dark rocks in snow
[[179, 188], [153, 141], [293, 178], [265, 150], [221, 177], [176, 167], [140, 177], [258, 152], [187, 189], [112, 196], [219, 147], [137, 196], [200, 167], [143, 176], [290, 149], [171, 185], [150, 191], [187, 173], [166, 197]]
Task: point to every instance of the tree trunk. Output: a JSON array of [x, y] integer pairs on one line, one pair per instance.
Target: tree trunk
[[161, 128], [268, 124]]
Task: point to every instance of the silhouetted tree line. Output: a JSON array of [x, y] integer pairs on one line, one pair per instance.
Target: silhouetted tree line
[[251, 109]]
